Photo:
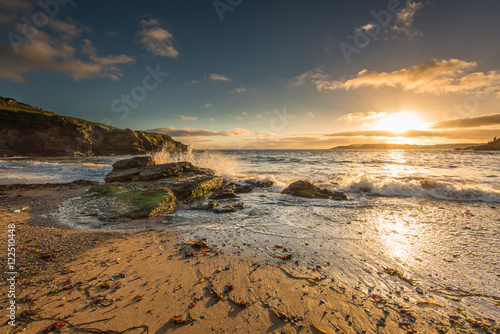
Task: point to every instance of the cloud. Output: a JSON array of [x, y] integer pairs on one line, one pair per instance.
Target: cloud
[[469, 134], [403, 21], [211, 119], [472, 122], [238, 90], [13, 10], [433, 76], [208, 105], [112, 33], [359, 116], [400, 23], [188, 132], [156, 39], [219, 77], [61, 51], [188, 118], [310, 114]]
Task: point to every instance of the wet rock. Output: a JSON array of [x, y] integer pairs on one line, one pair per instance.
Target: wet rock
[[242, 188], [308, 190], [144, 169], [229, 207], [123, 175], [208, 205], [135, 162], [188, 189], [223, 194], [171, 169], [260, 183]]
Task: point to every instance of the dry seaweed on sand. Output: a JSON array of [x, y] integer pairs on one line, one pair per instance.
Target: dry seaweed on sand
[[396, 272], [427, 302], [55, 326], [178, 321]]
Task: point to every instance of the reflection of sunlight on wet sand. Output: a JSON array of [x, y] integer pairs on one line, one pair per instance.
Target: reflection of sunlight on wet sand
[[394, 238]]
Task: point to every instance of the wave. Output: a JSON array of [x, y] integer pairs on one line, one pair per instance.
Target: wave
[[418, 187]]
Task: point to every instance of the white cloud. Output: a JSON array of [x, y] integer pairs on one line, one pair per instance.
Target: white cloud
[[188, 118], [156, 39], [62, 51], [208, 105], [432, 76], [219, 77], [238, 90], [310, 114]]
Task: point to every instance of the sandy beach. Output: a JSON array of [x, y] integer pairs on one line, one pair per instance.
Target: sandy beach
[[151, 281]]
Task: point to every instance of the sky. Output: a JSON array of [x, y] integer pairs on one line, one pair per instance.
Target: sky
[[261, 74]]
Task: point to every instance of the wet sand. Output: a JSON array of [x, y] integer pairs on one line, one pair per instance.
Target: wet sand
[[151, 282]]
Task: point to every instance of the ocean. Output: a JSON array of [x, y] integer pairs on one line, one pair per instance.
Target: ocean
[[433, 215]]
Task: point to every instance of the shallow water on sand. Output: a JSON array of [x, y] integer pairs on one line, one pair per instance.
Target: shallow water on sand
[[433, 215]]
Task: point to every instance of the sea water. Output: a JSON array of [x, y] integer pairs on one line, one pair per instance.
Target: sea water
[[433, 215]]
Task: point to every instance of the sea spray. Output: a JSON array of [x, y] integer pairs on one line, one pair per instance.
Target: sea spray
[[224, 165]]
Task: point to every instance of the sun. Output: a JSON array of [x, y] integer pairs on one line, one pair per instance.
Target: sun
[[401, 122]]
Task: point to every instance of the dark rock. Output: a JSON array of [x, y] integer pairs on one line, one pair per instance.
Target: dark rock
[[123, 175], [242, 188], [208, 205], [229, 207], [260, 183], [171, 169], [223, 194], [308, 190], [192, 188], [135, 162]]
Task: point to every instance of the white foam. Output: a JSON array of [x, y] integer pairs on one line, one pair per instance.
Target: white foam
[[418, 188]]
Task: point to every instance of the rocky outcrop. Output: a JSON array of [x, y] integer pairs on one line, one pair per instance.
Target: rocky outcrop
[[137, 188], [150, 171], [30, 131], [308, 190]]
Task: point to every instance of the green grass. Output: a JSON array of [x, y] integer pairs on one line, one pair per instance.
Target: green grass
[[26, 110]]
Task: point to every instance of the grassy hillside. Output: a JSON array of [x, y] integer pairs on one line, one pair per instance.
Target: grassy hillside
[[32, 131]]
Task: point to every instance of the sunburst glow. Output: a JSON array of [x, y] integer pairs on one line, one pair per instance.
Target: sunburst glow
[[401, 122]]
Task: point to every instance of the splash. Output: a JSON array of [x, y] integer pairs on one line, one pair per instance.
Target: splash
[[224, 165]]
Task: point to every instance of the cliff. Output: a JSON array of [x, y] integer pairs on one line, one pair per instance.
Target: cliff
[[31, 131]]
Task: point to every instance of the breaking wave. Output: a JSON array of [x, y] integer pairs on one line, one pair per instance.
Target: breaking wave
[[365, 183]]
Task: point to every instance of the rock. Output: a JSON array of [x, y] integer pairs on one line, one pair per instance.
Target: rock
[[171, 169], [189, 189], [123, 175], [242, 188], [308, 190], [135, 162], [260, 183], [208, 205], [229, 207], [223, 194]]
